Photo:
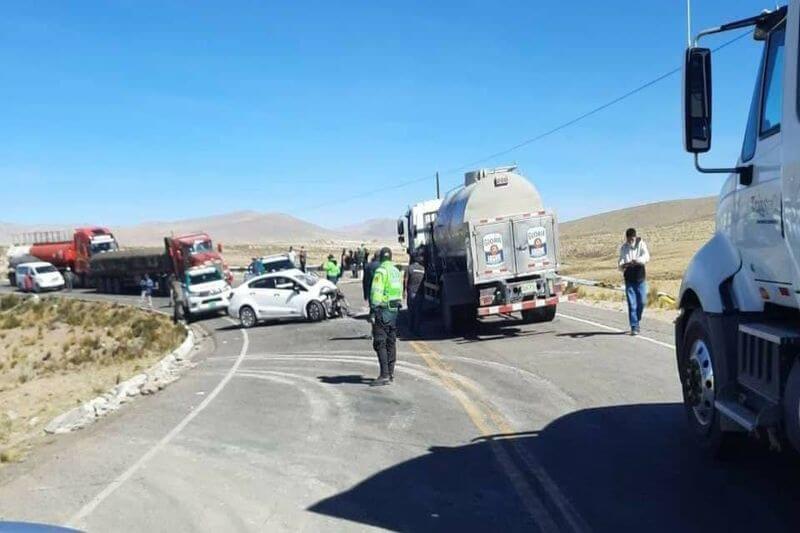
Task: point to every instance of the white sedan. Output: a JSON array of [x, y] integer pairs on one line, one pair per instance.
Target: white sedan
[[285, 294]]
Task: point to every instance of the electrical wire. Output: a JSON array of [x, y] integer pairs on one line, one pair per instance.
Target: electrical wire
[[526, 142]]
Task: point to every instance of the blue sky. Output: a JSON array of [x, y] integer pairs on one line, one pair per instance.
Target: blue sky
[[122, 112]]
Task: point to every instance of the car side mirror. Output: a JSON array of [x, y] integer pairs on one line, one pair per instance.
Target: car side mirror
[[697, 100]]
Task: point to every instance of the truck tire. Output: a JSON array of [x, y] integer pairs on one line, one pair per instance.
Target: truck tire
[[116, 286], [539, 314], [791, 406], [701, 371], [466, 320], [12, 279]]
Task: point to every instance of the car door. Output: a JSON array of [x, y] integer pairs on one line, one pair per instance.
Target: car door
[[288, 300], [261, 294]]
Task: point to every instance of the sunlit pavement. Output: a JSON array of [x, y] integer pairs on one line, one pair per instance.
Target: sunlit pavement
[[565, 426]]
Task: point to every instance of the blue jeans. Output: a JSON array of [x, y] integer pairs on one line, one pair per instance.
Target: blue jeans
[[636, 294]]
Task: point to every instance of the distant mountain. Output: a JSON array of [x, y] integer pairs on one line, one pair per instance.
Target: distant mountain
[[381, 229], [243, 227], [658, 214]]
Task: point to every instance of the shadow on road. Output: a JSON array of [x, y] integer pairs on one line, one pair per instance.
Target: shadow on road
[[584, 334], [350, 379], [623, 468], [361, 337]]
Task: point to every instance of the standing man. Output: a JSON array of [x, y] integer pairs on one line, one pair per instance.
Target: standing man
[[69, 279], [177, 300], [146, 285], [303, 258], [369, 271], [331, 269], [633, 255], [386, 293], [414, 289], [292, 256]]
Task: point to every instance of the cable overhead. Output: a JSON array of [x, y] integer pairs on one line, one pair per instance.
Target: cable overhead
[[538, 137]]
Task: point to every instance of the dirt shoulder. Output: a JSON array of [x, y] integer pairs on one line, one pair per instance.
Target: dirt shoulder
[[56, 353]]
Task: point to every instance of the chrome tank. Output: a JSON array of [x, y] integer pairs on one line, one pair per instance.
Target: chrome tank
[[486, 194]]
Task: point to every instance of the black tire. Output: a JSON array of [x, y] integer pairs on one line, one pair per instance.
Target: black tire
[[466, 320], [702, 372], [315, 311], [539, 314], [117, 286], [791, 406], [247, 317], [12, 280]]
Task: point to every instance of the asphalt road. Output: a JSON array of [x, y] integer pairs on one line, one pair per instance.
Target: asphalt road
[[565, 426]]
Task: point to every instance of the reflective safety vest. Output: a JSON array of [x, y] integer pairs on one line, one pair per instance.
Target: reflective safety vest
[[331, 269], [387, 286]]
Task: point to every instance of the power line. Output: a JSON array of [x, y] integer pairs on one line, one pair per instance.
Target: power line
[[538, 137]]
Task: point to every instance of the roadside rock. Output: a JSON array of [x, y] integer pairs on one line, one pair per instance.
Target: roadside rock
[[151, 381]]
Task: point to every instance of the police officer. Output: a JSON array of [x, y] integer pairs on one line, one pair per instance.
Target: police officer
[[386, 293], [331, 269], [415, 294]]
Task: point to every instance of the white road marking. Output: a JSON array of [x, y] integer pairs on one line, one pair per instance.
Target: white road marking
[[86, 510], [609, 328]]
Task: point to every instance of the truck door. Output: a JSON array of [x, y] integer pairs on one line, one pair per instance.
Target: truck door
[[534, 243], [493, 249], [757, 228]]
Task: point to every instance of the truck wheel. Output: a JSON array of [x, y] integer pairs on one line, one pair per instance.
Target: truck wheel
[[701, 373], [466, 320], [247, 317], [447, 318], [117, 286], [12, 279], [791, 406], [315, 311]]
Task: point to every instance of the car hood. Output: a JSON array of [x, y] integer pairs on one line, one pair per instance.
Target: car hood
[[50, 278], [210, 287]]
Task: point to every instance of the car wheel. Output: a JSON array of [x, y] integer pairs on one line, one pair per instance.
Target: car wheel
[[315, 311], [247, 317]]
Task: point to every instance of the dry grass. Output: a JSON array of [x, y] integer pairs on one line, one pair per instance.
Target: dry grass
[[58, 352]]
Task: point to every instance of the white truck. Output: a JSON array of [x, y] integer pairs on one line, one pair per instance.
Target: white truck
[[738, 334], [415, 226], [491, 249], [203, 290]]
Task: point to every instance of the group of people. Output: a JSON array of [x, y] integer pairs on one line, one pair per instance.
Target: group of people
[[352, 260]]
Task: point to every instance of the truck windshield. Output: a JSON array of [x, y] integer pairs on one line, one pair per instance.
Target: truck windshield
[[100, 247], [46, 269], [205, 277], [201, 246]]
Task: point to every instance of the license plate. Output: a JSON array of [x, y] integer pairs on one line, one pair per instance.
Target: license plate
[[529, 287]]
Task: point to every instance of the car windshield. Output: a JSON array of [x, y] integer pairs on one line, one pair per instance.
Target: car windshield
[[100, 247], [308, 279], [201, 246], [46, 269], [278, 265], [205, 277]]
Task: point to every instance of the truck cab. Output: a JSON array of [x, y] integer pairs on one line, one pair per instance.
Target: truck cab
[[738, 334], [196, 250], [414, 227]]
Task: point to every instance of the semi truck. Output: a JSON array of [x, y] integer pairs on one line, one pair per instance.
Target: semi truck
[[122, 270], [737, 337], [65, 249], [415, 226], [491, 248]]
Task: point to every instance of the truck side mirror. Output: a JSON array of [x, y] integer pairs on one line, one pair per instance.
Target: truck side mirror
[[697, 100]]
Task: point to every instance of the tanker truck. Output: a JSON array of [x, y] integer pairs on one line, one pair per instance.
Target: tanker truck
[[65, 249], [737, 336], [493, 250]]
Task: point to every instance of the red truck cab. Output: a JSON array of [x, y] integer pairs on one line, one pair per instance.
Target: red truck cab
[[194, 250]]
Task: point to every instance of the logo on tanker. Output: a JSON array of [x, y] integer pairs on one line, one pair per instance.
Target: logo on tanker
[[493, 248], [537, 242]]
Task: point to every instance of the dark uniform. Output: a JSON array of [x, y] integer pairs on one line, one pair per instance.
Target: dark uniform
[[415, 295]]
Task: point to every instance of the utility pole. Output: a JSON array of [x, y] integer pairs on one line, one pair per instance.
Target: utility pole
[[437, 184], [689, 22]]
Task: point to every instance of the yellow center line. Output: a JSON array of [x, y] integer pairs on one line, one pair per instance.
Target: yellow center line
[[482, 421], [490, 421]]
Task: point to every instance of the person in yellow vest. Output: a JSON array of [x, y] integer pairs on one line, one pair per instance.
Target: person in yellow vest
[[386, 294], [331, 269]]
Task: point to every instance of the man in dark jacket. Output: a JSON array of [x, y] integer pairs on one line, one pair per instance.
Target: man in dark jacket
[[369, 271], [415, 293]]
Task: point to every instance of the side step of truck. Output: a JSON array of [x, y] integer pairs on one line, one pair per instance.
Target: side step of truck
[[765, 353]]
